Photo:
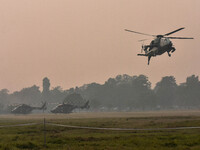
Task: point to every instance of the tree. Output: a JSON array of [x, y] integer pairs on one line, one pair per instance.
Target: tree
[[58, 94], [188, 92], [143, 95], [166, 92], [4, 97], [27, 95]]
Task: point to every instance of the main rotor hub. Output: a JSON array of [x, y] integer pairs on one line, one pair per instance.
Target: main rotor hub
[[159, 36]]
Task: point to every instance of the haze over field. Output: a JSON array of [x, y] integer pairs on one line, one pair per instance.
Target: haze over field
[[74, 42]]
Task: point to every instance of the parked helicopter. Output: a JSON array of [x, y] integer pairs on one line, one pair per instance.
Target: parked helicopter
[[159, 45], [68, 108], [70, 103], [26, 109]]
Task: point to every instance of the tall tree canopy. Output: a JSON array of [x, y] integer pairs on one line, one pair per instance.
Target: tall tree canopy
[[165, 91]]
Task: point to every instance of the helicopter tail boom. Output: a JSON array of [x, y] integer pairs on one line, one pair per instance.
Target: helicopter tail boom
[[43, 107]]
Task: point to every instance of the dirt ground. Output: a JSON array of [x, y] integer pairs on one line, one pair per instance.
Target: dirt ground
[[103, 115]]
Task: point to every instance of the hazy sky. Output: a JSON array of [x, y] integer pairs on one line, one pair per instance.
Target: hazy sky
[[73, 42]]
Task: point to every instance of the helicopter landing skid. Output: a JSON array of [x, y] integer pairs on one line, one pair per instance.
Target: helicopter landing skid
[[169, 54]]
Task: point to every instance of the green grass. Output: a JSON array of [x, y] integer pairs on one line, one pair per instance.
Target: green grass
[[62, 138]]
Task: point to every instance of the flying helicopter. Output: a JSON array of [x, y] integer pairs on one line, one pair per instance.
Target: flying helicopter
[[159, 45], [26, 109]]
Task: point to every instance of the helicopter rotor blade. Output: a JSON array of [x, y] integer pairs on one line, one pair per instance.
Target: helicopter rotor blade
[[142, 40], [173, 31], [180, 37], [139, 32]]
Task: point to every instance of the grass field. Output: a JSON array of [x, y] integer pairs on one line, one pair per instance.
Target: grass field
[[32, 137]]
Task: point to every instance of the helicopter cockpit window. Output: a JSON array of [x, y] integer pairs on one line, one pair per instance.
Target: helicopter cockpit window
[[156, 41]]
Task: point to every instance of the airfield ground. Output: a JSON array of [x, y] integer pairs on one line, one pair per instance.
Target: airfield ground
[[105, 115], [57, 137]]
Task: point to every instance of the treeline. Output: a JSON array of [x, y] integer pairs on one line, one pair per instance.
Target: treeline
[[135, 93], [123, 93]]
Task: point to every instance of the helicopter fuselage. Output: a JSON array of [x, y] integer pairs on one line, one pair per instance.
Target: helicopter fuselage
[[158, 46], [68, 108], [26, 109], [22, 109]]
